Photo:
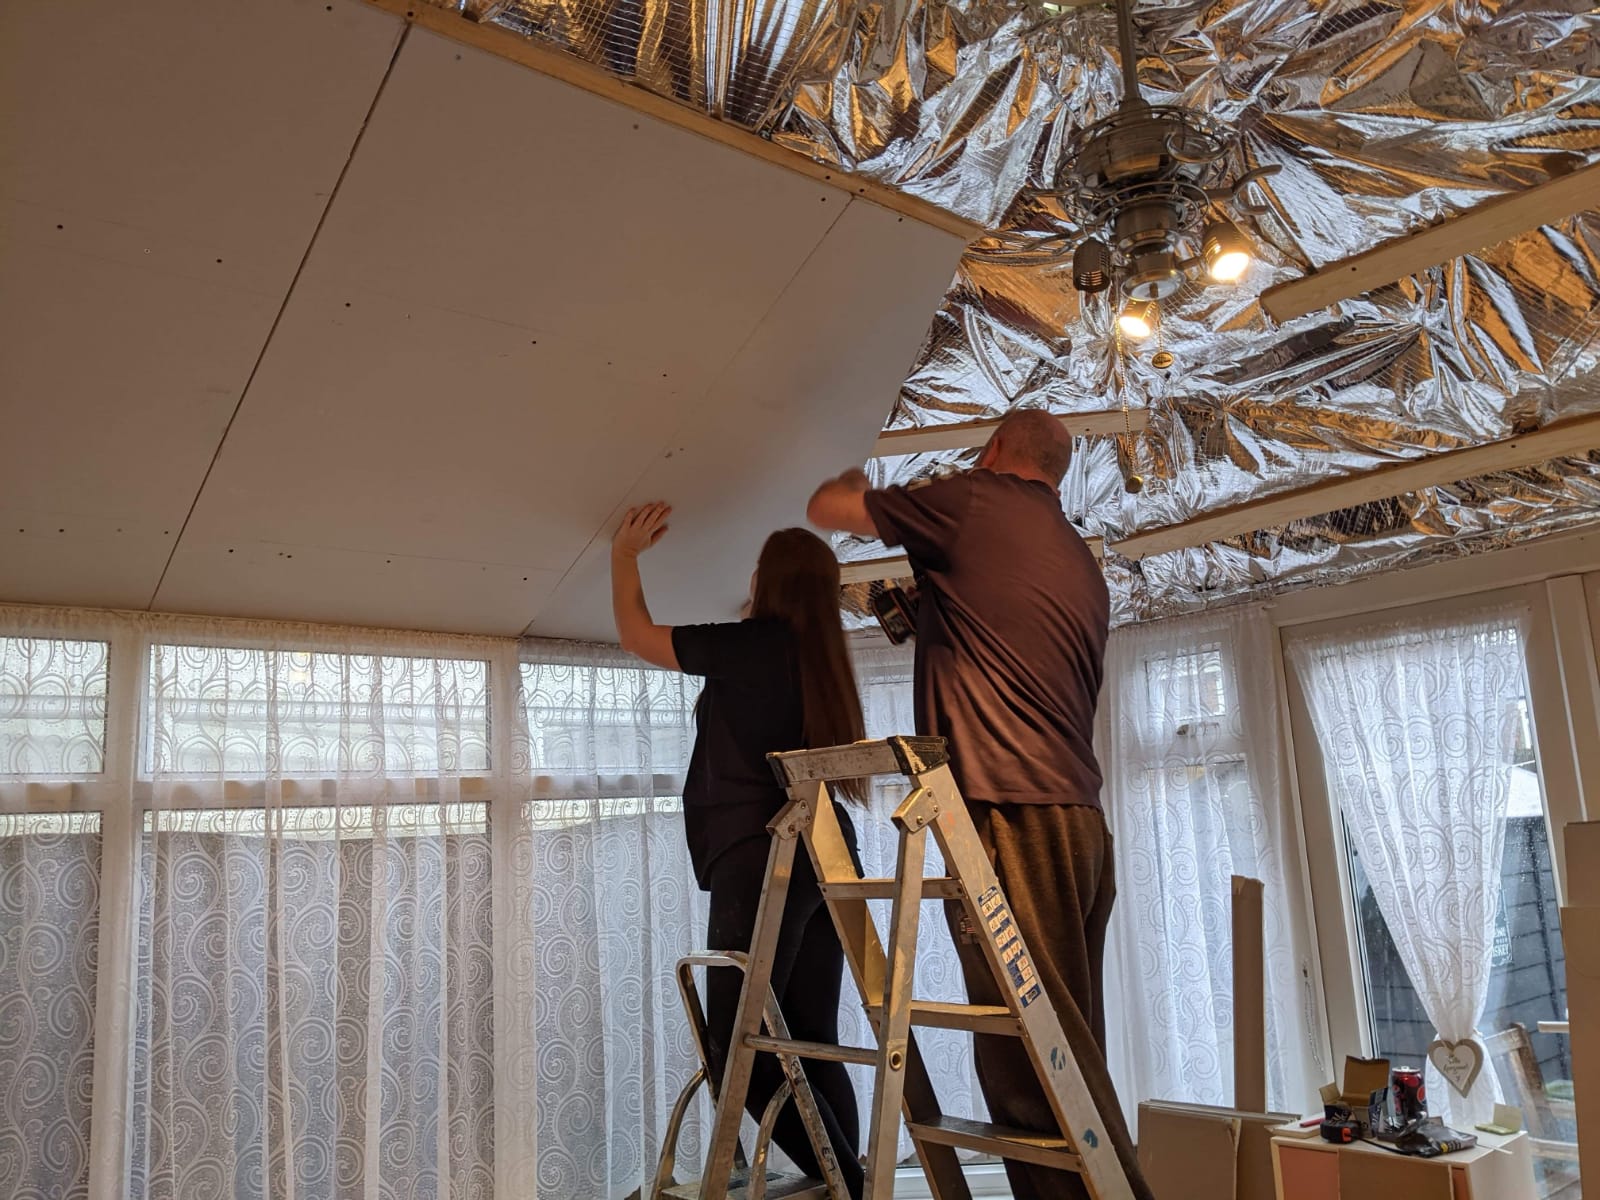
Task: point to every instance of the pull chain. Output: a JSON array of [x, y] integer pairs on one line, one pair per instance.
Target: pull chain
[[1132, 481]]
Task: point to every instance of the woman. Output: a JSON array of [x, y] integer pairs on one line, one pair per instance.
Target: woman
[[778, 680]]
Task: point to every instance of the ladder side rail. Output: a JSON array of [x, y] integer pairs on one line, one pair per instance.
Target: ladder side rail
[[863, 952], [751, 1014], [667, 1165], [894, 1026], [805, 1102], [757, 1187], [1052, 1056]]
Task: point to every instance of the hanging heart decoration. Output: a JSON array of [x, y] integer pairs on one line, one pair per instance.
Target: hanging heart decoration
[[1458, 1062]]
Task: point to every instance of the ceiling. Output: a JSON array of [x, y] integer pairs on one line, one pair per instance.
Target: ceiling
[[1382, 116], [391, 338]]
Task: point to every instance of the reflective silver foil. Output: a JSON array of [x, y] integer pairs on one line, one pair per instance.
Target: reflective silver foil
[[1383, 115]]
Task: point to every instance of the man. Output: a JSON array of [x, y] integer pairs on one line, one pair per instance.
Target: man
[[1012, 615]]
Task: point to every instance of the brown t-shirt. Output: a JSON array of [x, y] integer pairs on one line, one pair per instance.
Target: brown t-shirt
[[1012, 615]]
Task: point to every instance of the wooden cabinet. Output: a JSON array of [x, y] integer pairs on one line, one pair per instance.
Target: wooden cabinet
[[1497, 1168]]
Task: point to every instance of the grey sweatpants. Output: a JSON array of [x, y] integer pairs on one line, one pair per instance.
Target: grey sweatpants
[[1055, 867]]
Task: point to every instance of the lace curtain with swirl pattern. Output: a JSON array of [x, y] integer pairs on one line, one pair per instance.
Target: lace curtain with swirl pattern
[[49, 937], [604, 894], [52, 706], [315, 945], [1417, 721], [1188, 742]]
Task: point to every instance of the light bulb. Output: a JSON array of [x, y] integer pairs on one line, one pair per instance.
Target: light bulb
[[1137, 320], [1227, 254], [1230, 266], [1091, 266]]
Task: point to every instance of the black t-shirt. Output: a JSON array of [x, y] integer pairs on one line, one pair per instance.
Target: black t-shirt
[[750, 707], [1012, 615]]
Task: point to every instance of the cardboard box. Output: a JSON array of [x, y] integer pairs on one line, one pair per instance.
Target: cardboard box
[[1581, 840], [1204, 1153], [1580, 933], [1365, 1092]]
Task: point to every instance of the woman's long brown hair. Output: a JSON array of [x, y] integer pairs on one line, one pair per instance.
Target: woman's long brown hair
[[797, 581]]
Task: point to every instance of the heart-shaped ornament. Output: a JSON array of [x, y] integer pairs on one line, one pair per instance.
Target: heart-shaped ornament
[[1458, 1062]]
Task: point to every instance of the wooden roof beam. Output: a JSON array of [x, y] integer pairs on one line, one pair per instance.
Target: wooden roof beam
[[1558, 440], [964, 435], [1487, 224], [569, 68], [871, 570]]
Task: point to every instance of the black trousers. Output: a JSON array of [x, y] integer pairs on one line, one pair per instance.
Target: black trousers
[[806, 977], [1055, 867]]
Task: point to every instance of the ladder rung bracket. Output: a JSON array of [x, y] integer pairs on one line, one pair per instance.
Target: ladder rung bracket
[[820, 1051], [970, 1018], [886, 756], [1045, 1150], [935, 887]]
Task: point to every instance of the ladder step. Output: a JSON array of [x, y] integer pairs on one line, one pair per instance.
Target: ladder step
[[972, 1018], [1046, 1150], [939, 887], [779, 1187], [813, 1050]]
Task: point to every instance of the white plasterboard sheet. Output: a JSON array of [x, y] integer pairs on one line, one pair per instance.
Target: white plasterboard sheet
[[504, 323], [139, 145], [805, 398]]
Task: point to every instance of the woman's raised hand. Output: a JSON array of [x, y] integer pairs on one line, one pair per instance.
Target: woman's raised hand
[[641, 528]]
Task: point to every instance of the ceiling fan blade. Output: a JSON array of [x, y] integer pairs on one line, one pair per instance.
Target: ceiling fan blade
[[1487, 224]]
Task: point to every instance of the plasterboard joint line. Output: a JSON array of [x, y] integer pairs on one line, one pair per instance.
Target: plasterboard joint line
[[277, 319]]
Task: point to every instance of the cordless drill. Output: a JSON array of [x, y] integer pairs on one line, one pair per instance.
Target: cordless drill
[[896, 610]]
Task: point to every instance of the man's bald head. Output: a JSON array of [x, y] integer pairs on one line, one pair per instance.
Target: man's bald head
[[1031, 443]]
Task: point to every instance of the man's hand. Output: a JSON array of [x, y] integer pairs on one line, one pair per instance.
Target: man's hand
[[641, 528], [841, 504]]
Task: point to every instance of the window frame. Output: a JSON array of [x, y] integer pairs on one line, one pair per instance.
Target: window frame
[[1331, 890]]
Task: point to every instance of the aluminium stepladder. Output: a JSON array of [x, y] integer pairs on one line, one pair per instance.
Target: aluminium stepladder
[[884, 980], [756, 1183]]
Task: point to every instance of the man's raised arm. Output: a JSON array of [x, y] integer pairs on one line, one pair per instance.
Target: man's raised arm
[[841, 504]]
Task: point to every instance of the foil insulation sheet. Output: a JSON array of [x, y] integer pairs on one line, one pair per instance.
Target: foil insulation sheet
[[1383, 117]]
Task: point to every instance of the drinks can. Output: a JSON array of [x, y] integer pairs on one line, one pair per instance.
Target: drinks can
[[1410, 1095]]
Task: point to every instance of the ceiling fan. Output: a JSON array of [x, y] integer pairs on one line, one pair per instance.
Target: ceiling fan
[[1141, 204], [1144, 196]]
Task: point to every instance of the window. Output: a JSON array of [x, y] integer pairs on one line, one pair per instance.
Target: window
[[52, 707], [247, 713], [1188, 742], [311, 977], [49, 942], [604, 881], [1423, 727]]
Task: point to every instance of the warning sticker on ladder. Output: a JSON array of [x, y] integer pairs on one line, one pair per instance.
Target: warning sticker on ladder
[[1008, 943]]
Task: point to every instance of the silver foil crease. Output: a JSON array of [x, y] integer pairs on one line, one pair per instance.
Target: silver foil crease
[[1383, 116]]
